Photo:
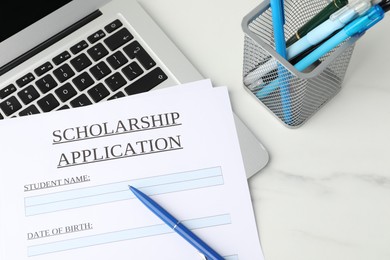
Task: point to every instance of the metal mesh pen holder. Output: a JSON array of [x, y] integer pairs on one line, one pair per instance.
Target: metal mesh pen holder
[[292, 96]]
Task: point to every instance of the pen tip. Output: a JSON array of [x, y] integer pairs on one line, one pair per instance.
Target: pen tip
[[133, 189]]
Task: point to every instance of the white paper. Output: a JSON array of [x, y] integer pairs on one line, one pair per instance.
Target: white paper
[[65, 175]]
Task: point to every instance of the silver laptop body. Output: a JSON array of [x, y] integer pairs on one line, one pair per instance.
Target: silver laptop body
[[88, 51]]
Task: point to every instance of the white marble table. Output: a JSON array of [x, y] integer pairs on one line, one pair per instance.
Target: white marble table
[[325, 193]]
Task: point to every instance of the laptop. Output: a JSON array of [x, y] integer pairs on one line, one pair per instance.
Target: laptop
[[66, 54]]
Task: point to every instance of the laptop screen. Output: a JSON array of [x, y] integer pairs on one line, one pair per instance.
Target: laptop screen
[[25, 14]]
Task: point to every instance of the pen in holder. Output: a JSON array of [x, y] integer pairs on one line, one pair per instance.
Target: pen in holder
[[272, 79]]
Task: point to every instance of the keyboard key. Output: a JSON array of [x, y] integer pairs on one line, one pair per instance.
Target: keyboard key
[[1, 116], [61, 58], [4, 92], [117, 60], [132, 71], [65, 92], [113, 26], [118, 39], [97, 52], [48, 103], [63, 73], [96, 36], [115, 81], [10, 105], [135, 50], [43, 69], [29, 111], [117, 95], [100, 70], [80, 101], [98, 92], [79, 47], [28, 94], [23, 81], [80, 62], [147, 82], [63, 107], [46, 83], [83, 81]]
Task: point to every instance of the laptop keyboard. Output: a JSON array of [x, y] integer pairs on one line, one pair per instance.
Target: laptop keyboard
[[108, 64]]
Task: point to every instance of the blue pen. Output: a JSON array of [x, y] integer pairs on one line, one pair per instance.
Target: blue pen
[[356, 27], [175, 224], [277, 8], [278, 23]]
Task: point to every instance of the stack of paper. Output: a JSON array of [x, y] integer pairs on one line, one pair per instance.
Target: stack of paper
[[65, 176]]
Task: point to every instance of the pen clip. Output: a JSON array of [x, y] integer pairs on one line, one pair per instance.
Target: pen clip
[[374, 17]]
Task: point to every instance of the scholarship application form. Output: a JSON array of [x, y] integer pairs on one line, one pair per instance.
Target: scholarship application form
[[65, 175]]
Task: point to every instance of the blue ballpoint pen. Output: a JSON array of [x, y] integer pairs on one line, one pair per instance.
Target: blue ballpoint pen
[[354, 28], [277, 7], [178, 227], [278, 23]]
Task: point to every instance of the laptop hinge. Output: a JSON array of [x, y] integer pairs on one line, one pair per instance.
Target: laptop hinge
[[12, 64]]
